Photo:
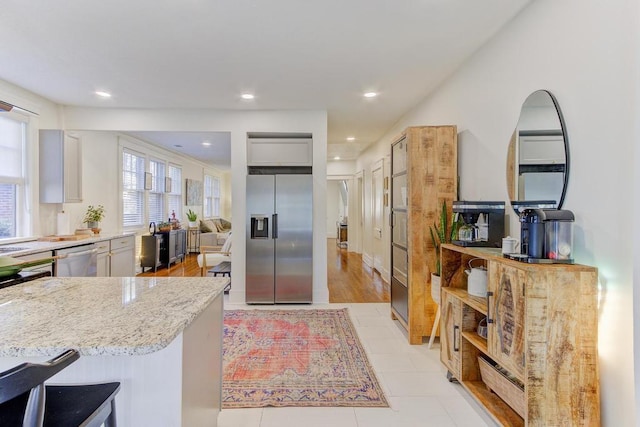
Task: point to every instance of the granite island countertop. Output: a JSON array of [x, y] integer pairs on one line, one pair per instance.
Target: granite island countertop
[[101, 315]]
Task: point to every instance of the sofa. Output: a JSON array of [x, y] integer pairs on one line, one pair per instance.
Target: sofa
[[214, 231]]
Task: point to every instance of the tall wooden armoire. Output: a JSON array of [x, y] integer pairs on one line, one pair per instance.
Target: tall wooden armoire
[[424, 173]]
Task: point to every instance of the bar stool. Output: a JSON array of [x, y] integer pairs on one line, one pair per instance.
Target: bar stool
[[26, 401]]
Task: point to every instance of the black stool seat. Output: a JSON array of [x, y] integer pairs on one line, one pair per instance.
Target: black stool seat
[[54, 405]]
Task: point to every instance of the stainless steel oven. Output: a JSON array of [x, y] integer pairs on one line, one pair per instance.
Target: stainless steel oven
[[78, 261]]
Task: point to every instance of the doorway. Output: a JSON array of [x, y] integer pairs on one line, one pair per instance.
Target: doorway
[[377, 219], [350, 279]]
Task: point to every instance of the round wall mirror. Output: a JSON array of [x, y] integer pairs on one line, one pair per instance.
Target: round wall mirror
[[538, 156]]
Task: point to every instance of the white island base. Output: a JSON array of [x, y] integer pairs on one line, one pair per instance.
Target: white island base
[[178, 385]]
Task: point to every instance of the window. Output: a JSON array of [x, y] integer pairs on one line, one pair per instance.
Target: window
[[132, 189], [175, 195], [211, 196], [12, 174], [156, 194]]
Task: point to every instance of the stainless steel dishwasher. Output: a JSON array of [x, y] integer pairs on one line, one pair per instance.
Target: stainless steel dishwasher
[[78, 261]]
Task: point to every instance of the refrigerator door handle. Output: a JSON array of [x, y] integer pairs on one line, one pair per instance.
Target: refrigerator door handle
[[274, 223]]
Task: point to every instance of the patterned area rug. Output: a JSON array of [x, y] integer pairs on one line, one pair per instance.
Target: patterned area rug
[[295, 358]]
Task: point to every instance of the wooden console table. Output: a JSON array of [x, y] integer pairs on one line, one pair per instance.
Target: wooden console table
[[540, 356]]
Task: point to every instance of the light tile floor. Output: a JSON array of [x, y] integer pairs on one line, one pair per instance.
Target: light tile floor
[[412, 377]]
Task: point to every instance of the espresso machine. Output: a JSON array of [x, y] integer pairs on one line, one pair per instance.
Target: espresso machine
[[546, 236], [483, 223]]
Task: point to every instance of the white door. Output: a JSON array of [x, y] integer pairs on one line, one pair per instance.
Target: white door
[[377, 217]]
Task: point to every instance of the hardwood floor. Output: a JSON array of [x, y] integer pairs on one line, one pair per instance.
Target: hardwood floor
[[350, 280], [187, 268]]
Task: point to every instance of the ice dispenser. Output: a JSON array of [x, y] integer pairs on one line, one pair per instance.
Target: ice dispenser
[[259, 226]]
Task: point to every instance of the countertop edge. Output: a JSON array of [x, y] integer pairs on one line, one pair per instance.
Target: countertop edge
[[46, 246], [162, 340]]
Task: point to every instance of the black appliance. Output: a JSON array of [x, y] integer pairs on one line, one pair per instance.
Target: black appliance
[[23, 276], [488, 233], [546, 236]]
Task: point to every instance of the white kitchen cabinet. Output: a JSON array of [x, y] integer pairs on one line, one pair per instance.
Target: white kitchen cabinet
[[285, 151], [103, 259], [60, 167], [122, 254], [115, 257]]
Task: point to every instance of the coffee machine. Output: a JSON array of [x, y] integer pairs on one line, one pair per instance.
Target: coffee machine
[[546, 236], [483, 223]]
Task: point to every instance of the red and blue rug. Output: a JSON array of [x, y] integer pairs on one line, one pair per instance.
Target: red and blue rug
[[295, 358]]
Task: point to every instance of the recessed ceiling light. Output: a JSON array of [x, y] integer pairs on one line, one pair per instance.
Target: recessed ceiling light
[[336, 158], [103, 94], [247, 96], [351, 138], [206, 143], [370, 94]]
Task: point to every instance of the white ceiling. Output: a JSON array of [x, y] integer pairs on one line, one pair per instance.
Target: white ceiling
[[292, 54], [217, 153]]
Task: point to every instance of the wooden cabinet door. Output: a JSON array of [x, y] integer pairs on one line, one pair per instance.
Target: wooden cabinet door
[[506, 320], [450, 330]]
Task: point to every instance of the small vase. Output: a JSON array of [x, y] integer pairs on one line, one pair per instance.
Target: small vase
[[94, 226], [435, 288], [193, 224]]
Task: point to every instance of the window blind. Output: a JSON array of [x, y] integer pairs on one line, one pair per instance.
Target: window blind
[[132, 189]]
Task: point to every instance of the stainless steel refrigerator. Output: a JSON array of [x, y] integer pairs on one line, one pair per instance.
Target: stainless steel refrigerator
[[279, 239]]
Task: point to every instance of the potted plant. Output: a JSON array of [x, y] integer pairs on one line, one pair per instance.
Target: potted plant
[[192, 217], [164, 226], [93, 217], [441, 233]]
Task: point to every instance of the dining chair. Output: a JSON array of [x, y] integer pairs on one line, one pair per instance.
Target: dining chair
[[26, 401]]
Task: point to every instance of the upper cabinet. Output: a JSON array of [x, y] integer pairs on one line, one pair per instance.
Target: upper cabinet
[[60, 167], [279, 149]]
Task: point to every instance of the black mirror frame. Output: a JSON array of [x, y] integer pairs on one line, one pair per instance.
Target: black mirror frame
[[565, 139]]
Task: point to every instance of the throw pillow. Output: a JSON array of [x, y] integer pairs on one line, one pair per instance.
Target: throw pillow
[[226, 225], [204, 227]]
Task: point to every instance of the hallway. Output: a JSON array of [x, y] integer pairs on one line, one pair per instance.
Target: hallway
[[350, 280]]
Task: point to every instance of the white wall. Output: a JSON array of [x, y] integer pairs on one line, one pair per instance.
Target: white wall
[[375, 153], [100, 178], [586, 54], [341, 167], [47, 118], [333, 207], [238, 124]]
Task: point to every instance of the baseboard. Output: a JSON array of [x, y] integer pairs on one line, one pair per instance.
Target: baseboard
[[385, 275], [367, 259]]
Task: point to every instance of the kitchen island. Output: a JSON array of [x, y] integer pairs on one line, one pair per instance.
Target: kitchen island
[[161, 338]]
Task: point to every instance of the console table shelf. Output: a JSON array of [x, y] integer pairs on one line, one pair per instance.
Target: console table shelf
[[539, 362], [163, 248]]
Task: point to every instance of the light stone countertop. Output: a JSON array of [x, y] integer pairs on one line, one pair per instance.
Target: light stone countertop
[[33, 246], [101, 315]]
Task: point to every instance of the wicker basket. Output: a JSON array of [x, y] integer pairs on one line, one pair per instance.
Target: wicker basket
[[497, 382]]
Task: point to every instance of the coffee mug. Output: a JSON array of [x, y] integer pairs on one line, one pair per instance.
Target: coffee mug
[[509, 245]]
